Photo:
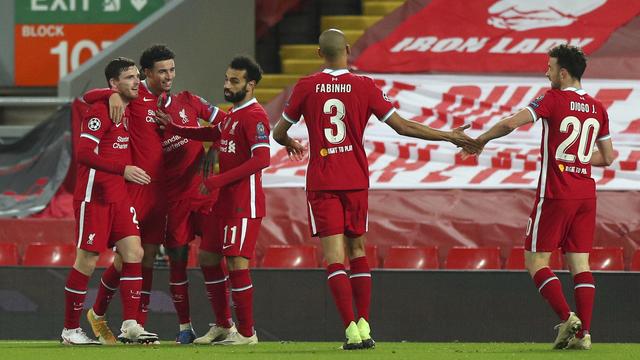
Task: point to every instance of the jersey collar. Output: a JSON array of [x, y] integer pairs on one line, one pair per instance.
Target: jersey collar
[[250, 102], [577, 91], [335, 72]]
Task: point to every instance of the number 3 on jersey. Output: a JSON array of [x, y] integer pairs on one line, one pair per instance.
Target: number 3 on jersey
[[341, 129], [585, 146]]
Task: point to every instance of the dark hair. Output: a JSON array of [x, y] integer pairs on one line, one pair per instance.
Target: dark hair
[[571, 58], [254, 71], [116, 66], [155, 53]]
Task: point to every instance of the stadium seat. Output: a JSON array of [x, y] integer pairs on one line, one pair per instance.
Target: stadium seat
[[606, 259], [8, 254], [49, 255], [515, 261], [473, 258], [290, 256], [635, 261], [106, 259], [411, 257]]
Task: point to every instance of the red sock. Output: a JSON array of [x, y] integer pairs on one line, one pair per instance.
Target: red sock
[[361, 285], [584, 291], [242, 295], [216, 281], [130, 285], [550, 288], [75, 290], [109, 283], [341, 291], [145, 294], [179, 287]]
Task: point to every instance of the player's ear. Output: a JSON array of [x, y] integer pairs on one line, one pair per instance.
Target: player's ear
[[113, 83], [348, 49]]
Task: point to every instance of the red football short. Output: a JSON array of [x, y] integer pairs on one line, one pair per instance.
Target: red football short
[[185, 219], [100, 225], [338, 212], [231, 236], [558, 223], [150, 202]]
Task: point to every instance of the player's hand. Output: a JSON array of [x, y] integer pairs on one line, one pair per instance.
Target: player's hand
[[116, 108], [136, 175], [213, 182], [296, 150], [204, 190], [460, 139], [163, 119]]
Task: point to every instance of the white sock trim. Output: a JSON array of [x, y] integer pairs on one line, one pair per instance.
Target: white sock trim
[[216, 281], [336, 273], [75, 291], [179, 283], [107, 286], [359, 275], [547, 281], [242, 288], [584, 286]]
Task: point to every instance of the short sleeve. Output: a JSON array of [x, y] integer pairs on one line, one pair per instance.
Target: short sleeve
[[603, 133], [257, 130], [541, 106], [379, 102], [204, 109], [293, 107], [94, 126]]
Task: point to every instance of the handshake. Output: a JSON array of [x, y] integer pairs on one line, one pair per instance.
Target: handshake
[[470, 146]]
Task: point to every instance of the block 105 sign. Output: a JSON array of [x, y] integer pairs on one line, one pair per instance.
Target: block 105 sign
[[46, 52]]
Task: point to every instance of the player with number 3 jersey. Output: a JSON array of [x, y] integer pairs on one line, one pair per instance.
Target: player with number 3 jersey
[[336, 106]]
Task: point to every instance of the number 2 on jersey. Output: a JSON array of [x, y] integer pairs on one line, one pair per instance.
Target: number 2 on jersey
[[340, 133], [585, 146]]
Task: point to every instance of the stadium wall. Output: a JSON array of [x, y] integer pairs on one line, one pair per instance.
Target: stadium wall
[[205, 35], [6, 42], [295, 305]]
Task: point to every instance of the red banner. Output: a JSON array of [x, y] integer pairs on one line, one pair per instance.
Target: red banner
[[494, 36]]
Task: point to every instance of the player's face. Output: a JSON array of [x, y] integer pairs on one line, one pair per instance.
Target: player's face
[[128, 83], [236, 86], [160, 77], [553, 73]]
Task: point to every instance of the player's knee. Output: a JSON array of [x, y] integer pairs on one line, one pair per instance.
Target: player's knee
[[206, 258], [178, 254], [133, 254]]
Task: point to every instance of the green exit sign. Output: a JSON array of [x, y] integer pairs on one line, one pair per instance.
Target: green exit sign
[[84, 11]]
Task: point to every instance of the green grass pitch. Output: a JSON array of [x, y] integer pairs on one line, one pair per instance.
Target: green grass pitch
[[51, 350]]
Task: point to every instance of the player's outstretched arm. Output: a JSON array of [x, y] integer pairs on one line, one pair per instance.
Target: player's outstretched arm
[[506, 126], [260, 159], [605, 154], [416, 130], [207, 133], [294, 148]]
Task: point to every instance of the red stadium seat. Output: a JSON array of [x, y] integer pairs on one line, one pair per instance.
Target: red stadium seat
[[106, 259], [49, 255], [371, 252], [8, 254], [411, 257], [635, 261], [516, 259], [606, 259], [289, 256], [473, 258]]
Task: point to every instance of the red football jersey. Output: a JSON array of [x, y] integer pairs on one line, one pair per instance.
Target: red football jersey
[[243, 129], [336, 106], [112, 143], [572, 122], [146, 137], [182, 157]]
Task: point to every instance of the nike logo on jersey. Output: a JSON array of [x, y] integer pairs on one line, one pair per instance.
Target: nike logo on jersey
[[145, 99], [226, 246]]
